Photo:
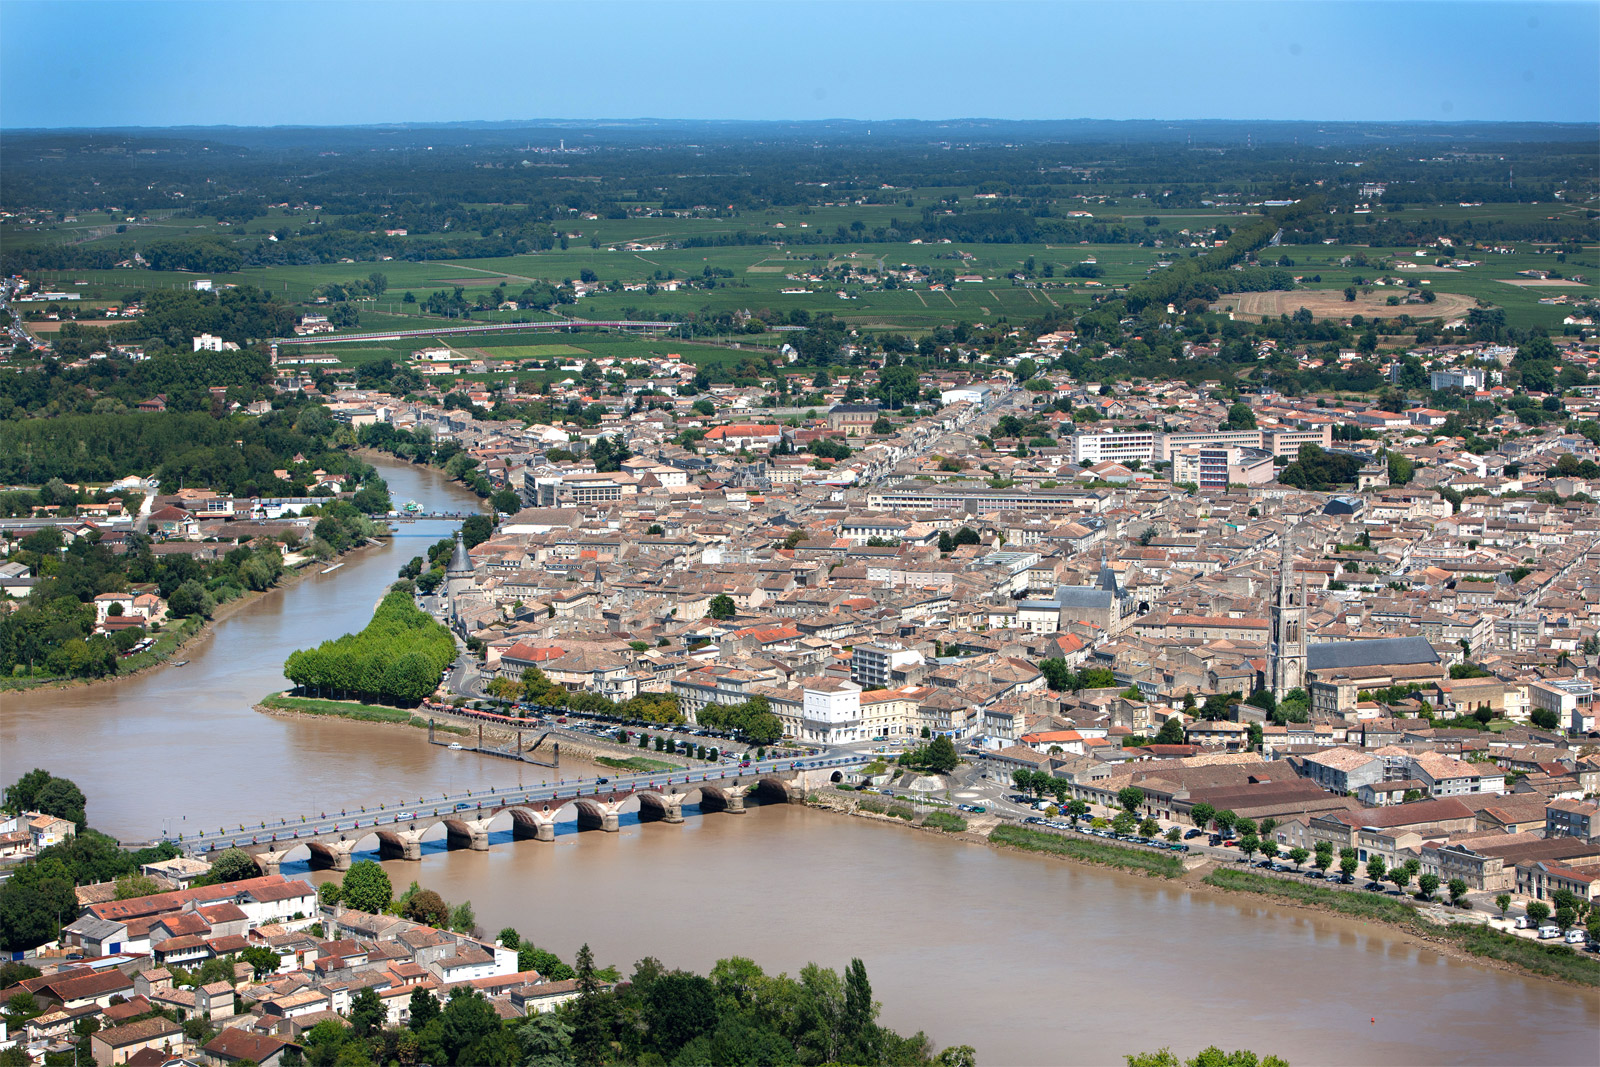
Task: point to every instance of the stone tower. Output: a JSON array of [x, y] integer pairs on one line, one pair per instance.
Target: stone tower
[[457, 577], [1286, 660]]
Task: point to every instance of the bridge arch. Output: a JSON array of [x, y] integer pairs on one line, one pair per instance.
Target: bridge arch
[[712, 797], [323, 856], [591, 813], [773, 790], [653, 806]]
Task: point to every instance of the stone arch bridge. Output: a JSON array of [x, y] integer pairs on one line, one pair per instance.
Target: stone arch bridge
[[397, 832]]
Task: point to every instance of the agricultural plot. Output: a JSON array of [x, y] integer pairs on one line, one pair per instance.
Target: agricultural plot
[[1331, 304]]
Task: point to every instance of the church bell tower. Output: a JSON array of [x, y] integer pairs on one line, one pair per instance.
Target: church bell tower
[[1286, 661]]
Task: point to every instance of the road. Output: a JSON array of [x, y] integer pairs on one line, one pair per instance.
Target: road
[[287, 830]]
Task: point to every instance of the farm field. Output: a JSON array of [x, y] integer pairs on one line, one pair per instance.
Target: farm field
[[1331, 304]]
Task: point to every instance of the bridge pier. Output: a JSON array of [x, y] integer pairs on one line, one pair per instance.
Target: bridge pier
[[532, 825], [735, 804], [599, 816], [332, 855], [400, 845], [469, 834], [270, 862], [663, 807]]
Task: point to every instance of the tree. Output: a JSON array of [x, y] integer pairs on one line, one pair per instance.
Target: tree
[[233, 865], [428, 908], [589, 1029], [1202, 814], [1376, 868], [722, 607], [424, 1008], [1124, 823], [1427, 885], [1269, 848], [608, 454], [462, 918], [63, 799], [367, 1012], [531, 957], [1171, 732], [20, 795], [940, 756], [1149, 828], [1538, 912], [1249, 844], [467, 1022], [367, 888], [1130, 797], [263, 960], [1298, 855], [510, 938], [1503, 902], [130, 886], [678, 1008], [546, 1040], [190, 598], [1348, 863], [1400, 877], [1458, 891], [1208, 1057], [506, 501]]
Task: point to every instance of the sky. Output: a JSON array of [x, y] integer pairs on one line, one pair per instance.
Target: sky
[[336, 62]]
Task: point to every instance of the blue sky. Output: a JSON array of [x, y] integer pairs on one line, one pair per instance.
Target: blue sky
[[235, 62]]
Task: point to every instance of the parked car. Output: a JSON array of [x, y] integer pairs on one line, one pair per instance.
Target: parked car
[[1549, 931], [1524, 923], [1192, 834], [1576, 937]]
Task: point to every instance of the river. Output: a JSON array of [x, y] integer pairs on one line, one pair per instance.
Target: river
[[179, 742], [1028, 959]]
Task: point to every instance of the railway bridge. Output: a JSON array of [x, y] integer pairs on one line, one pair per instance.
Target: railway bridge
[[397, 830]]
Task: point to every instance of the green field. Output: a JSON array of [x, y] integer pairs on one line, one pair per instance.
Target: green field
[[751, 277]]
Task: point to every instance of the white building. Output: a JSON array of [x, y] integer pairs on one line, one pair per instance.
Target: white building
[[1472, 378], [207, 343], [970, 394], [831, 712]]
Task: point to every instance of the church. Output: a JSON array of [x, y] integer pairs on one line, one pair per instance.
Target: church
[[1335, 673]]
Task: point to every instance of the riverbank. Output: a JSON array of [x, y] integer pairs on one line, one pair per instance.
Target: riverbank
[[188, 630], [284, 706], [1466, 942]]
